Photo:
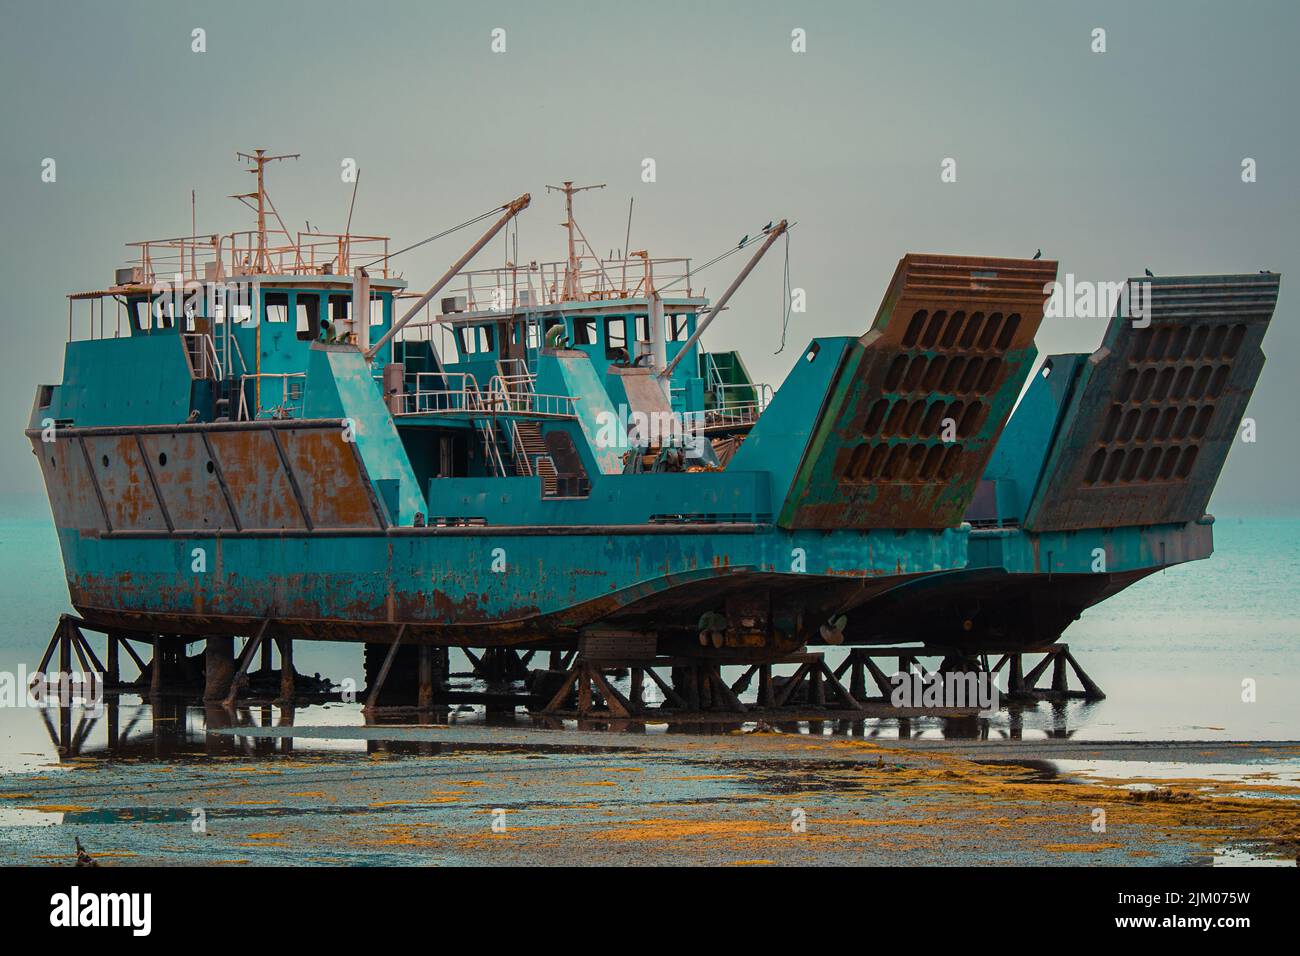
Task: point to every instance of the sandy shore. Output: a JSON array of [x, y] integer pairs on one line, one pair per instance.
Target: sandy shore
[[478, 795]]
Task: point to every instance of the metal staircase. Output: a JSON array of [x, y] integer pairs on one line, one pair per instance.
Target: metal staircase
[[532, 449]]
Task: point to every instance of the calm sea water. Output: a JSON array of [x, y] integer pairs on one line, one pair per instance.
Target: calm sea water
[[1172, 652]]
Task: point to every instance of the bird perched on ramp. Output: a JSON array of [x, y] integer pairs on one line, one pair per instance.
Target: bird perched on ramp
[[1150, 274], [1038, 254]]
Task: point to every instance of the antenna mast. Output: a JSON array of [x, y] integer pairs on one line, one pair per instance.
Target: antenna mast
[[259, 158], [571, 270]]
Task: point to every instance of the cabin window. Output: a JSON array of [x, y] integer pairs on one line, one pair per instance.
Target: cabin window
[[615, 336], [475, 340], [376, 311], [340, 309], [680, 327], [532, 335], [277, 307], [141, 315], [164, 312], [643, 328], [307, 310], [584, 331]]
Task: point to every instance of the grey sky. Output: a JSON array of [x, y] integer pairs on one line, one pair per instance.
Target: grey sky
[[1109, 162]]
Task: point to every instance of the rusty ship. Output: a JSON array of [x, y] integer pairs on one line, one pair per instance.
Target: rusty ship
[[268, 435]]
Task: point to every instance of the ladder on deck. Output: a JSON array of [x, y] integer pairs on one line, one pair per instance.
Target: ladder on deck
[[530, 447]]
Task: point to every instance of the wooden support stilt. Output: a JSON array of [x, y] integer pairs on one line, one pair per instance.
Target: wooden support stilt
[[131, 652], [880, 677], [218, 666], [89, 651], [846, 698], [1060, 677], [816, 690], [1016, 675], [287, 690], [87, 672], [561, 694], [1090, 690], [1031, 679], [475, 663], [671, 697], [241, 674], [113, 672], [618, 705], [424, 699], [156, 667], [584, 688], [788, 689], [742, 683], [724, 697], [857, 677], [637, 677], [766, 693], [372, 700]]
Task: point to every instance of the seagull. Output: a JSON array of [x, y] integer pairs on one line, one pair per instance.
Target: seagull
[[1038, 254], [1150, 274], [84, 858]]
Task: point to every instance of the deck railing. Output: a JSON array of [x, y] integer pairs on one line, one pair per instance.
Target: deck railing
[[291, 398], [514, 288], [459, 392]]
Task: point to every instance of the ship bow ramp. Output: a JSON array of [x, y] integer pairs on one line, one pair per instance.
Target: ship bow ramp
[[1104, 473], [893, 429], [1148, 419]]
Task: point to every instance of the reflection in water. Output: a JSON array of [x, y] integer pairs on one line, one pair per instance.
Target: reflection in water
[[168, 727]]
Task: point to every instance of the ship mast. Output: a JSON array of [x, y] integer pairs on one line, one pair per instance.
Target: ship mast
[[259, 158], [571, 270]]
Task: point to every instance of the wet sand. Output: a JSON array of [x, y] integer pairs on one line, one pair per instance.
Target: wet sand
[[430, 795]]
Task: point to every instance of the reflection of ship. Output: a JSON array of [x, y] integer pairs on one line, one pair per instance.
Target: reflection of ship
[[306, 455], [169, 728]]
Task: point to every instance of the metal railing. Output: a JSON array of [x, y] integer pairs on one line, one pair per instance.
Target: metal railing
[[290, 403], [236, 253], [202, 352], [451, 392], [518, 453], [447, 392], [518, 287]]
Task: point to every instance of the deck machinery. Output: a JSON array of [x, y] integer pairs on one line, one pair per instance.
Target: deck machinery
[[273, 440]]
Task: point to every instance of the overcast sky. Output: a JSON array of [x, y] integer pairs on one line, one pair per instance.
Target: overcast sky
[[1110, 162]]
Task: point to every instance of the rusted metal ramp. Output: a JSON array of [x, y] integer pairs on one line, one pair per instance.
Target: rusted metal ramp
[[1157, 406], [917, 403]]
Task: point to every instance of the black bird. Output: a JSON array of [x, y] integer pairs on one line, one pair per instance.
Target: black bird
[[1038, 254], [743, 239], [768, 227], [84, 858], [1150, 274]]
